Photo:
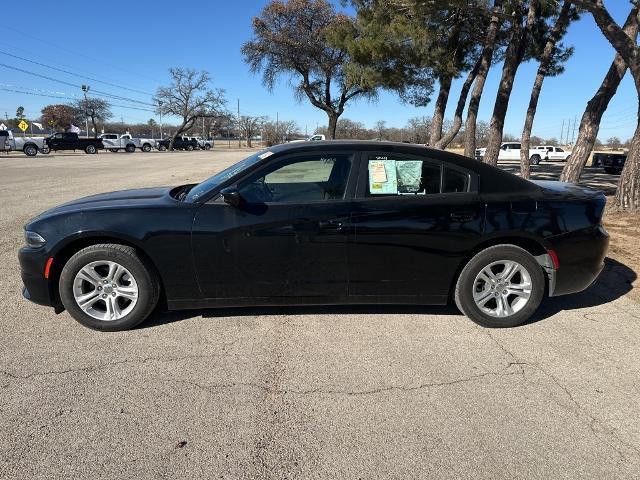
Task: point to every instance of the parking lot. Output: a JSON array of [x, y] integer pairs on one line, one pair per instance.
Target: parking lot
[[331, 392]]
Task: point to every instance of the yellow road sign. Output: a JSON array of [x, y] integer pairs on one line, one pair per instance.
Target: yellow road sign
[[23, 125]]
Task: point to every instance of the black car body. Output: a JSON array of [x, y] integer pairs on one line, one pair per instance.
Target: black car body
[[180, 143], [221, 243], [611, 162], [71, 141]]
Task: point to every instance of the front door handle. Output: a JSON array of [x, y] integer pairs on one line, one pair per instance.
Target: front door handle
[[330, 224]]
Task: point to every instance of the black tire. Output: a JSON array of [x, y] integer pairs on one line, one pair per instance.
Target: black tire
[[146, 148], [465, 286], [162, 148], [44, 150], [113, 150], [207, 146], [144, 274], [90, 149], [189, 148], [130, 148], [30, 150], [535, 159]]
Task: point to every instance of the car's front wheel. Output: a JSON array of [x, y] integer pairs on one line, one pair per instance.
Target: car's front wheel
[[90, 149], [501, 286], [108, 287], [535, 159]]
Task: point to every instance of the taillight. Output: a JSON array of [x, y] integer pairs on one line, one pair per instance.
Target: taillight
[[554, 259]]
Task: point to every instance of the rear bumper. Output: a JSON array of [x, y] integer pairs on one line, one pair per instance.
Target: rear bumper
[[581, 257], [36, 288]]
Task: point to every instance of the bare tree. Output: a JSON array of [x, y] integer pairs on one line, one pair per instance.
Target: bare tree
[[514, 56], [628, 191], [189, 97], [592, 116], [95, 109], [486, 59], [380, 128], [250, 127], [301, 38], [551, 62]]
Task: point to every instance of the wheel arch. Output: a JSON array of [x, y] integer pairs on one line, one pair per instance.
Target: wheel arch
[[74, 245], [534, 246]]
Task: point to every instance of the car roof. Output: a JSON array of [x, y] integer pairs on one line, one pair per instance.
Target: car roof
[[492, 179]]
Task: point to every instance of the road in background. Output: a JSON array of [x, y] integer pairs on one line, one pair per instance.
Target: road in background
[[331, 392]]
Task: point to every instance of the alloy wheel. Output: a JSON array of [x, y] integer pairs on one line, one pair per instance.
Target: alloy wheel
[[502, 288], [105, 290]]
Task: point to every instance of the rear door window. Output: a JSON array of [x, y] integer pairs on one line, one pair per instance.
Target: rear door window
[[390, 176], [455, 181]]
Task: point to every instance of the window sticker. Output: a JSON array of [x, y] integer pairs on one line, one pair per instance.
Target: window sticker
[[382, 177], [409, 173]]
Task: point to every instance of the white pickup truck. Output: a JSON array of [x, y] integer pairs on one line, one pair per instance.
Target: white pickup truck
[[114, 142], [511, 151], [30, 146], [554, 153]]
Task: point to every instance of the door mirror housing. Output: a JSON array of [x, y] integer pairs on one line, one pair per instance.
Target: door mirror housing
[[231, 196]]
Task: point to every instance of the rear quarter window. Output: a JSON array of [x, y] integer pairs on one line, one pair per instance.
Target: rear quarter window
[[455, 181]]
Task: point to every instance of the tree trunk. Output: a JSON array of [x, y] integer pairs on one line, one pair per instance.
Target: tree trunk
[[95, 127], [512, 60], [439, 110], [447, 138], [545, 60], [590, 123], [333, 123], [628, 192], [485, 64]]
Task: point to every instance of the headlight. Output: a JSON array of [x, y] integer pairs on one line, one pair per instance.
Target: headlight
[[32, 239]]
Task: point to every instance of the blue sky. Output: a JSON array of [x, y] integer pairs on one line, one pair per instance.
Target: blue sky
[[132, 44]]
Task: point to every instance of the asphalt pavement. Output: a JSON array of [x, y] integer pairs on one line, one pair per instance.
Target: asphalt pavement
[[331, 392]]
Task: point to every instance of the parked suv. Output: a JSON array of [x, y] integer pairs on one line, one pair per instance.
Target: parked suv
[[511, 151]]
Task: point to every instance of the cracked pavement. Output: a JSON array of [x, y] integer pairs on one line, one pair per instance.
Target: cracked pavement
[[335, 392]]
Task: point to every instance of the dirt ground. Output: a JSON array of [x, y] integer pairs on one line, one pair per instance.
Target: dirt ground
[[624, 229]]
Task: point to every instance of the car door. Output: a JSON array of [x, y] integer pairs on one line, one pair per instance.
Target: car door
[[414, 219], [287, 240]]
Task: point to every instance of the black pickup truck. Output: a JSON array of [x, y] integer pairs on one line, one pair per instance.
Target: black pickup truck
[[71, 141], [180, 143], [612, 162]]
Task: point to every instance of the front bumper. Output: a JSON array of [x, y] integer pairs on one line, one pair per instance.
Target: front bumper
[[581, 256], [36, 288]]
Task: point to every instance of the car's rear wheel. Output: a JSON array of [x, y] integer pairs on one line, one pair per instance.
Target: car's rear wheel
[[502, 286], [90, 149], [535, 159], [146, 148], [189, 148], [207, 146], [108, 287], [130, 148]]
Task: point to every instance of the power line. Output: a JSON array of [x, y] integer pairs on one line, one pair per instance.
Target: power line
[[74, 74], [117, 97], [80, 54], [69, 98]]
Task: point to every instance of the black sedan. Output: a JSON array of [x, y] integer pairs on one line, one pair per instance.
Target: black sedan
[[320, 223]]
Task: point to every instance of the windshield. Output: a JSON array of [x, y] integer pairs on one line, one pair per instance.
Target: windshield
[[212, 182]]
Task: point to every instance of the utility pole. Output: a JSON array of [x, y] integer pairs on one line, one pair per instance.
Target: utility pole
[[277, 125], [160, 110], [239, 135], [562, 131], [573, 136], [85, 89]]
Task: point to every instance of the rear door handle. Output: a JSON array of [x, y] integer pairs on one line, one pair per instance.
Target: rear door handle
[[461, 216], [330, 224]]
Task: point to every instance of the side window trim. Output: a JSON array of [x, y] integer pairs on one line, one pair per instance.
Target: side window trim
[[351, 178], [363, 184]]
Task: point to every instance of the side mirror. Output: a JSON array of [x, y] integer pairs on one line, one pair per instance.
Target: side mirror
[[231, 196]]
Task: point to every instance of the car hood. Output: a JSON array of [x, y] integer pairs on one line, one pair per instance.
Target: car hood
[[121, 198]]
